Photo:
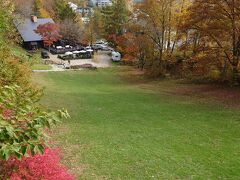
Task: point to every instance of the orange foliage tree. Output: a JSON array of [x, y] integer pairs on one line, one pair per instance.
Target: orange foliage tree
[[213, 29]]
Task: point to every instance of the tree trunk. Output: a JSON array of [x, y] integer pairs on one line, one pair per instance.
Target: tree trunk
[[235, 75], [234, 46], [195, 43], [186, 43], [177, 31], [169, 28], [161, 49]]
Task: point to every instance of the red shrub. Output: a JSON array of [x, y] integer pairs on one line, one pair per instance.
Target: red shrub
[[46, 166]]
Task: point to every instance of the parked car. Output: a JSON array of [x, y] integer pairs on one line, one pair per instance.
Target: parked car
[[116, 56], [101, 42], [45, 55], [77, 55], [66, 56], [97, 47], [110, 49], [88, 47], [104, 47]]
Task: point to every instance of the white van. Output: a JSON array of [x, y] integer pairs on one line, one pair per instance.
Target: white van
[[116, 56]]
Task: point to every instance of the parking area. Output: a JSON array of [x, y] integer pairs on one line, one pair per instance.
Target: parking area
[[101, 59]]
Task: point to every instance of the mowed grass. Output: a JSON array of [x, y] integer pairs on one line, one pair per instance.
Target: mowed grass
[[34, 59], [39, 66], [119, 130]]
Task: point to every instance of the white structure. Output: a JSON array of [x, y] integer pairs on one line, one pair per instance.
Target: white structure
[[73, 6], [84, 11], [104, 3], [99, 3], [116, 56]]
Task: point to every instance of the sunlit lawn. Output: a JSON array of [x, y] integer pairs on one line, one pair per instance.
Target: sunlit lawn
[[120, 130], [40, 66]]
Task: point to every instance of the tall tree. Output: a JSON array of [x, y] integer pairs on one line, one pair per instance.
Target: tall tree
[[72, 31], [155, 21], [217, 26], [115, 17], [63, 11], [96, 25], [39, 9], [156, 24], [23, 7]]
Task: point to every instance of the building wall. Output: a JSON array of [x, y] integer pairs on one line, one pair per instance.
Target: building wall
[[100, 3], [29, 46], [92, 3]]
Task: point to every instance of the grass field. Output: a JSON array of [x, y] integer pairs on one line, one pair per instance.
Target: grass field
[[34, 58], [40, 66], [126, 129]]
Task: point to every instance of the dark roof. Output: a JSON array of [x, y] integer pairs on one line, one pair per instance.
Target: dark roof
[[26, 28]]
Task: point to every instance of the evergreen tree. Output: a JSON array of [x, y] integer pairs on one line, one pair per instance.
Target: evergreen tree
[[63, 11], [37, 8], [115, 17]]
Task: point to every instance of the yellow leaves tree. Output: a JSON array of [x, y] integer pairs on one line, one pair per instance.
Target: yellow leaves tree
[[214, 28], [159, 22]]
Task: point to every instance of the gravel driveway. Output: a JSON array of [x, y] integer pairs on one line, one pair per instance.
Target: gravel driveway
[[100, 60]]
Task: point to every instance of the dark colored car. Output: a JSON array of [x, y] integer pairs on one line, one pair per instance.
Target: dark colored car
[[45, 55], [97, 47]]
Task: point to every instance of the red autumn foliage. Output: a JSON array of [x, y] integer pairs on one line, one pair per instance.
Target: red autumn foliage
[[126, 44], [49, 32], [46, 166], [7, 114]]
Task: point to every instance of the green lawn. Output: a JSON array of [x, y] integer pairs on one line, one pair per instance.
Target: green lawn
[[125, 130], [34, 59], [40, 66]]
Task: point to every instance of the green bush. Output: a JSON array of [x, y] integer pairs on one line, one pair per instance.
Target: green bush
[[22, 122]]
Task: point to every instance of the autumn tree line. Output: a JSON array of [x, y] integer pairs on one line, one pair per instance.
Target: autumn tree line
[[181, 38]]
